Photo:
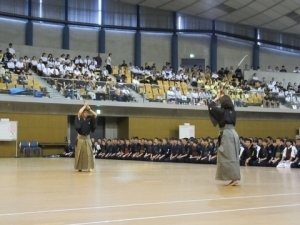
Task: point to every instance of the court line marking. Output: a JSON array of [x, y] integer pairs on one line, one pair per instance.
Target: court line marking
[[144, 204], [185, 214]]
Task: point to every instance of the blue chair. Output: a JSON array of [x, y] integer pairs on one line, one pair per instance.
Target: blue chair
[[24, 148], [34, 148]]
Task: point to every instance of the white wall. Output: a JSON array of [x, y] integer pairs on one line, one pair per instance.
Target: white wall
[[84, 39], [156, 48], [121, 45], [47, 35], [273, 58], [11, 31], [230, 53], [199, 45]]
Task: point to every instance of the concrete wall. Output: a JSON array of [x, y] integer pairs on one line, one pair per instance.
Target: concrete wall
[[230, 53], [84, 39], [156, 48], [121, 45], [11, 31], [47, 36], [199, 45], [273, 58]]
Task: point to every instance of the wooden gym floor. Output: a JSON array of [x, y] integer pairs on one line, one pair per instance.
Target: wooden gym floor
[[48, 191]]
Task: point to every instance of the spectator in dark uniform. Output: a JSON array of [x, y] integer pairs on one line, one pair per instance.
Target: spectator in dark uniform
[[264, 154], [69, 150], [249, 154], [185, 151]]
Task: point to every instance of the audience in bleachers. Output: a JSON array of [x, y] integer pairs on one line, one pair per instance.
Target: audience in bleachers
[[203, 83]]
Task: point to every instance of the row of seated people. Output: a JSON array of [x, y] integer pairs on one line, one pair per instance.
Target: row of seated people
[[95, 90], [280, 152]]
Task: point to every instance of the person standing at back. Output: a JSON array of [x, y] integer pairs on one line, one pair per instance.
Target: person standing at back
[[228, 167], [108, 64], [84, 125]]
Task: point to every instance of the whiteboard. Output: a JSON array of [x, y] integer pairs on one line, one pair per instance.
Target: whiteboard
[[8, 130], [186, 131]]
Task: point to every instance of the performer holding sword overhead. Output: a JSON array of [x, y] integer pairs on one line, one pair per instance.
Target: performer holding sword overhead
[[84, 125], [228, 166]]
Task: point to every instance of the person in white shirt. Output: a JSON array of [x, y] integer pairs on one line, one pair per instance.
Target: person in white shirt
[[269, 69], [178, 77], [47, 71], [62, 58], [57, 63], [296, 70], [54, 71], [70, 68], [20, 65], [105, 71], [94, 62], [68, 59], [275, 89], [89, 91], [189, 96], [51, 62], [109, 63], [276, 69], [214, 75], [87, 60], [135, 83], [180, 68], [77, 71], [171, 96], [79, 61], [40, 67], [126, 94], [178, 96], [288, 155], [11, 49], [195, 97], [92, 67], [44, 58], [33, 62], [10, 65]]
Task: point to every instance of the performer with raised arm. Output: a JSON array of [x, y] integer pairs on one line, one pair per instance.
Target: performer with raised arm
[[84, 125], [228, 167]]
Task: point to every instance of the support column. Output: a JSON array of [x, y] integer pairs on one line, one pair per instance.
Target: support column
[[29, 26], [214, 53], [66, 29], [138, 49], [101, 41], [66, 37], [29, 33], [138, 40], [174, 52], [174, 47], [256, 51]]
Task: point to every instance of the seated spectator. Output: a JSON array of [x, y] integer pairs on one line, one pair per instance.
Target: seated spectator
[[135, 83], [277, 150], [11, 65], [288, 155], [249, 155], [54, 72], [178, 95], [283, 70], [296, 162], [89, 91], [124, 64], [69, 150], [40, 68], [78, 61], [296, 70], [47, 72], [269, 69], [19, 65], [214, 75], [44, 58], [126, 94], [7, 79], [171, 96], [22, 79], [87, 61], [276, 69]]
